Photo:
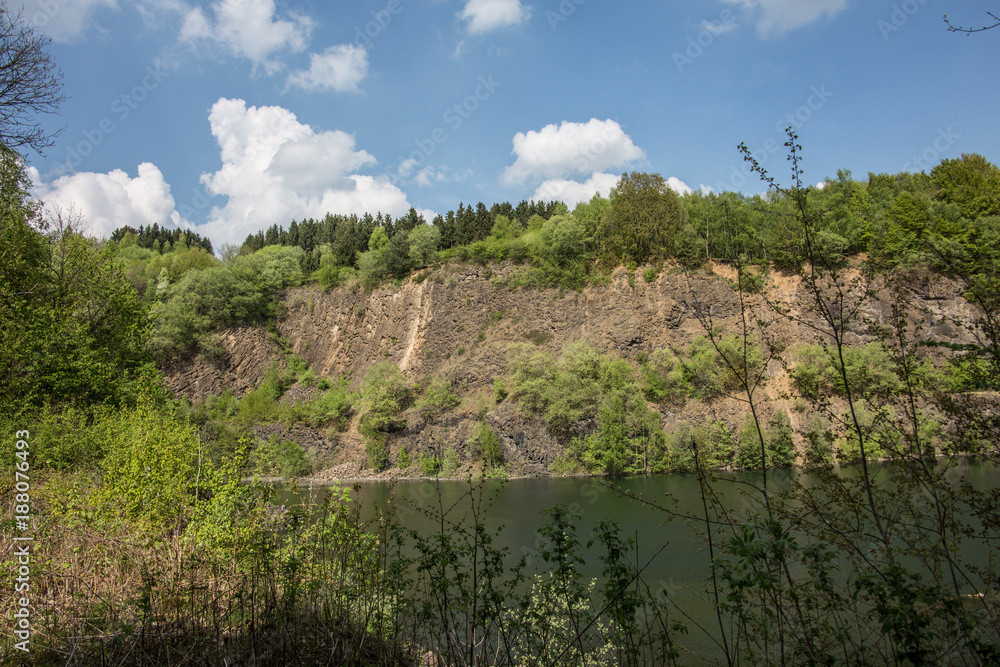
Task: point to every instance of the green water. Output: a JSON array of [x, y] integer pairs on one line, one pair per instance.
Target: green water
[[675, 557]]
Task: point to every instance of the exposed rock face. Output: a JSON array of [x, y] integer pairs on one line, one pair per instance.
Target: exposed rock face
[[249, 353], [462, 324]]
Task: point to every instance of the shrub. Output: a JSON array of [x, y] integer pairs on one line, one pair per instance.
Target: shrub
[[438, 397], [284, 458], [403, 458], [488, 445], [332, 406], [663, 378], [429, 464], [384, 395], [150, 468], [450, 461]]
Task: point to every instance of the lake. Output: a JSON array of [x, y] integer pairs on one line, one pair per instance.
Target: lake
[[677, 557]]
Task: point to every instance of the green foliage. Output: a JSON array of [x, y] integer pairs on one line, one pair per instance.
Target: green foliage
[[870, 371], [971, 182], [228, 524], [663, 378], [450, 462], [584, 393], [424, 242], [385, 393], [72, 329], [237, 292], [67, 439], [714, 370], [781, 447], [499, 390], [283, 458], [261, 404], [429, 464], [487, 445], [645, 215], [438, 397], [403, 460], [150, 469], [334, 406]]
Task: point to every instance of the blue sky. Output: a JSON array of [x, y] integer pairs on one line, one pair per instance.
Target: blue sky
[[233, 115]]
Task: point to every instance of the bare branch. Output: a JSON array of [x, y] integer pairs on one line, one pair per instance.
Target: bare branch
[[30, 84], [968, 31]]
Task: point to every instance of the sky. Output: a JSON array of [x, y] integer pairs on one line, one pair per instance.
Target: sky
[[229, 116]]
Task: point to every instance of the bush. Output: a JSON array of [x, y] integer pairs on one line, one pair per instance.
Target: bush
[[334, 406], [450, 462], [663, 378], [429, 464], [438, 397], [150, 468], [403, 458], [487, 445], [284, 458], [384, 395]]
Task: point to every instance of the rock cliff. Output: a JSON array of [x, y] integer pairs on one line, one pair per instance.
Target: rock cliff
[[460, 321]]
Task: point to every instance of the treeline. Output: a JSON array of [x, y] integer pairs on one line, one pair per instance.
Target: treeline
[[346, 236], [160, 239], [946, 221], [939, 221]]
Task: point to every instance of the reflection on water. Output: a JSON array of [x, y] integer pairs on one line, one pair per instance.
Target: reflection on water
[[650, 510]]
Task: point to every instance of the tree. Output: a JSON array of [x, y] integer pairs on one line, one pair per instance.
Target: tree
[[645, 214], [971, 182], [30, 84], [968, 31]]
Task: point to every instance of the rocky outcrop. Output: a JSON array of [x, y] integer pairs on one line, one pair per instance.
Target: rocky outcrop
[[248, 353], [461, 322]]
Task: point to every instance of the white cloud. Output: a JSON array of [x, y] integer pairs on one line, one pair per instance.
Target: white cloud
[[778, 16], [679, 186], [109, 201], [250, 29], [486, 15], [340, 68], [719, 27], [62, 20], [573, 192], [570, 148], [275, 169]]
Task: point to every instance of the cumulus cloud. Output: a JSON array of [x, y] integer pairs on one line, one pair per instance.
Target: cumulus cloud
[[275, 169], [109, 201], [340, 68], [679, 186], [62, 20], [570, 148], [572, 193], [249, 29], [779, 16], [487, 15]]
